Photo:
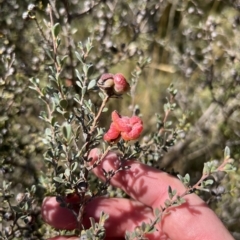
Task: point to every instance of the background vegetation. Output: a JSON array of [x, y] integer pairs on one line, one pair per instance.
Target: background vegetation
[[192, 44]]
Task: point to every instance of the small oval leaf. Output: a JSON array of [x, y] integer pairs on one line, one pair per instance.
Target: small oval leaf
[[67, 131], [58, 179], [92, 84], [63, 103], [56, 29]]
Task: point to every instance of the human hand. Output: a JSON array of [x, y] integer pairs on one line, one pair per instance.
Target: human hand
[[148, 189]]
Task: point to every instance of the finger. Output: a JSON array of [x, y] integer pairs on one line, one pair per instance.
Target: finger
[[77, 238], [191, 220], [124, 215], [143, 183]]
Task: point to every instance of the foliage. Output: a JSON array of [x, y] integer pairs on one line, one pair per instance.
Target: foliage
[[50, 124]]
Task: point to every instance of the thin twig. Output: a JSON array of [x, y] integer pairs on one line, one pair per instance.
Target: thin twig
[[41, 31], [162, 129], [58, 68], [99, 113], [53, 38], [197, 185], [95, 164], [69, 43]]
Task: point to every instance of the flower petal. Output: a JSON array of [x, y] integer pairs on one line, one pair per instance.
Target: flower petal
[[134, 120], [112, 134], [134, 133], [122, 123]]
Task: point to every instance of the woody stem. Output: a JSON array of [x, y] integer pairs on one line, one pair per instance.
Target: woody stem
[[99, 113]]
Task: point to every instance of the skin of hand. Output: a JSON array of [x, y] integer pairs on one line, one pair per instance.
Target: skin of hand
[[148, 189]]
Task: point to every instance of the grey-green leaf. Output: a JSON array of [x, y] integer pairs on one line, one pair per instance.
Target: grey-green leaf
[[63, 103], [105, 109], [92, 84], [67, 131], [78, 56], [56, 29], [226, 152], [58, 179]]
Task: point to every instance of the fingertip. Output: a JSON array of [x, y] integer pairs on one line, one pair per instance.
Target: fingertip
[[110, 162], [94, 155], [57, 216]]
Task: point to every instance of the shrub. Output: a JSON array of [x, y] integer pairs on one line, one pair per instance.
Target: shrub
[[181, 60]]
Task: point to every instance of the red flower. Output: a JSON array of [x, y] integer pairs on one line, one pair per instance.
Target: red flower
[[113, 84], [129, 128]]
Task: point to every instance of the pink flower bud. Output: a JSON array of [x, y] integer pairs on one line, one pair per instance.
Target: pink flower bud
[[120, 84], [113, 84]]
